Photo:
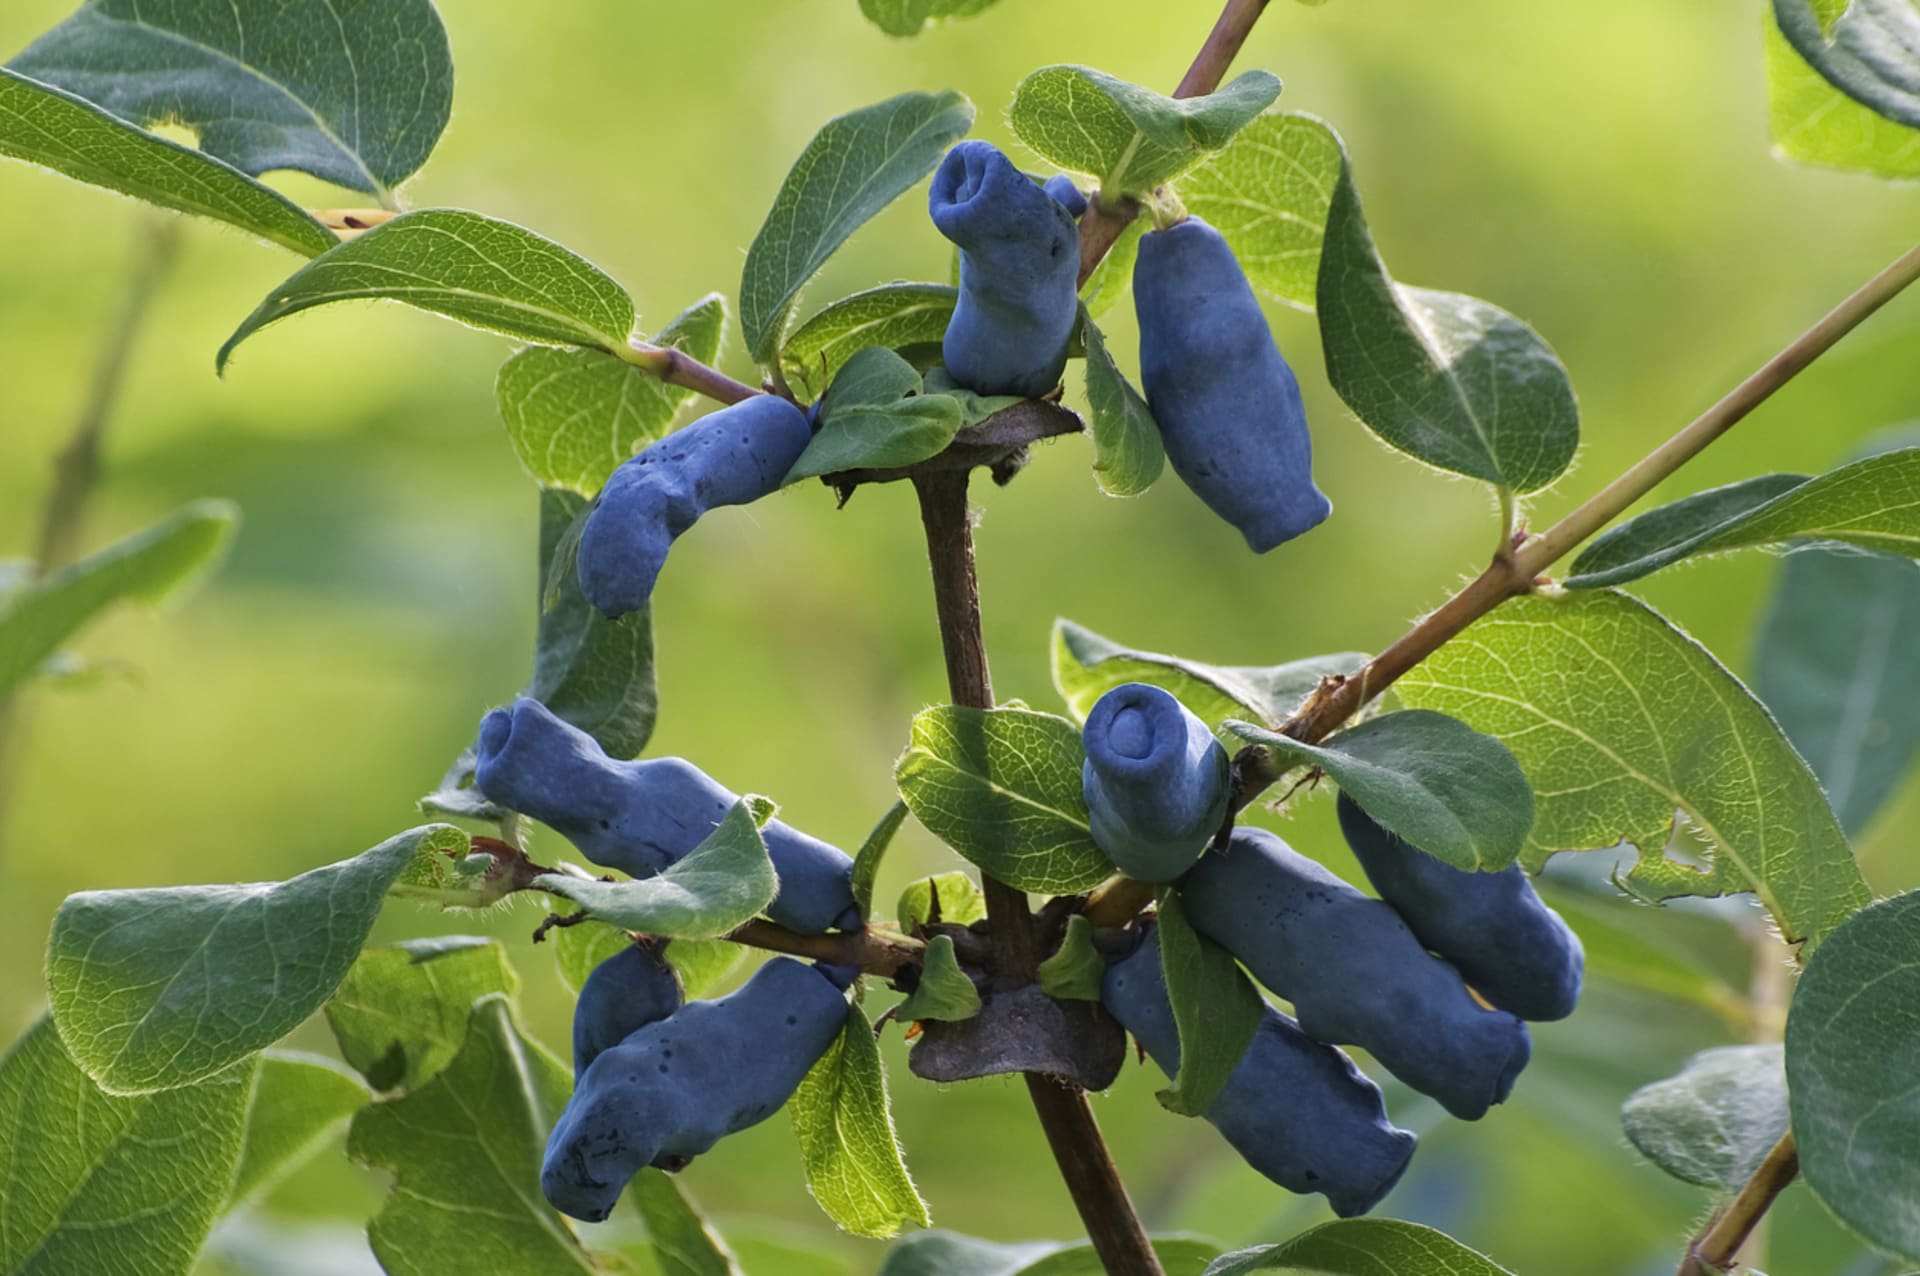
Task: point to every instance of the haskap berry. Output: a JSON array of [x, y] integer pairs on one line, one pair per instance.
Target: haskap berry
[[1493, 927], [626, 992], [1298, 1111], [677, 1086], [1228, 406], [641, 817], [730, 457], [1155, 780], [1355, 974], [1066, 194], [1019, 274]]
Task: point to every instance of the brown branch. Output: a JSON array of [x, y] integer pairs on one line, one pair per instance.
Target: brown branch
[[1117, 1234], [877, 952], [1717, 1247], [677, 367], [998, 443]]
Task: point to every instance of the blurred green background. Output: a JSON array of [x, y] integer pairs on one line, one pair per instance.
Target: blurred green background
[[1601, 170]]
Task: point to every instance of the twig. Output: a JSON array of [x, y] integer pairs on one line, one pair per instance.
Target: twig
[[1716, 1248], [1117, 1234], [995, 443], [676, 367]]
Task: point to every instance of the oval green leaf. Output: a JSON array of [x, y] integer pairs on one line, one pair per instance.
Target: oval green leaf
[[844, 1123], [1815, 123], [944, 991], [1712, 1123], [1268, 193], [875, 416], [902, 317], [1871, 52], [1362, 1247], [1127, 454], [401, 1013], [1216, 1010]]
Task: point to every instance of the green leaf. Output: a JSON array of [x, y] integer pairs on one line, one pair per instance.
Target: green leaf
[[1075, 970], [356, 95], [1563, 681], [100, 1183], [37, 619], [907, 17], [1815, 123], [703, 963], [901, 317], [1086, 666], [960, 899], [1002, 787], [1129, 138], [940, 1253], [1215, 1007], [722, 883], [473, 1187], [1127, 456], [1715, 1121], [155, 989], [43, 125], [299, 1102], [576, 415], [1628, 957], [875, 416], [1837, 664], [1362, 1247], [866, 864], [1448, 379], [489, 274], [580, 948], [1852, 1038], [683, 1243], [592, 672], [1458, 795], [855, 166], [1873, 503], [1112, 278], [944, 991], [844, 1125], [1268, 193], [400, 1015], [1871, 52]]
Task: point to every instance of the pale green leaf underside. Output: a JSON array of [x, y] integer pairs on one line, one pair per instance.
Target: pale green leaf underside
[[855, 166], [1362, 1247], [1871, 52], [1873, 504], [38, 618], [722, 883], [944, 991], [1852, 1037], [844, 1124], [1127, 455], [104, 1184], [1268, 193], [43, 125], [1086, 666], [575, 415], [489, 274], [906, 317], [473, 1186], [355, 94], [1002, 787], [154, 989], [400, 1015], [1815, 123], [1128, 138], [1619, 720], [299, 1102], [1458, 795], [1448, 379], [1713, 1122], [1216, 1010]]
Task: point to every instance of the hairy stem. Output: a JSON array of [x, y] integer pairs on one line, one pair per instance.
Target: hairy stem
[[1716, 1247], [76, 467], [1100, 226], [676, 367], [1115, 1230]]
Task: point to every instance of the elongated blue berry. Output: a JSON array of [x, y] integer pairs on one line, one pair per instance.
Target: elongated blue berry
[[731, 457], [626, 992], [677, 1086], [1493, 927], [1355, 974], [1066, 194], [1228, 405], [1297, 1111], [640, 817], [1155, 781], [1019, 271]]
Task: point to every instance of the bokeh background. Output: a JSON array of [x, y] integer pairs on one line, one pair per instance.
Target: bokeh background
[[1601, 170]]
